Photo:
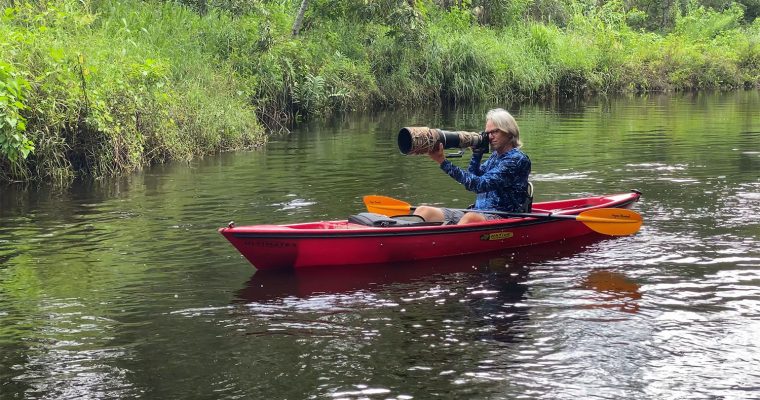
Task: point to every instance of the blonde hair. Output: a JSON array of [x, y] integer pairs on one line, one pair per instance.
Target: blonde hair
[[505, 122]]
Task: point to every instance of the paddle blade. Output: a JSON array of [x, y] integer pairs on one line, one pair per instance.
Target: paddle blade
[[386, 205], [612, 221]]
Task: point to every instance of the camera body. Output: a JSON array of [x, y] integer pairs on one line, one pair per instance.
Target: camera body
[[421, 140]]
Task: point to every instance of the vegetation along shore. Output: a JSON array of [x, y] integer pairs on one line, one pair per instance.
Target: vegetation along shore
[[103, 87]]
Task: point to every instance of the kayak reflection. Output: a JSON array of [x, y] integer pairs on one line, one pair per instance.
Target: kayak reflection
[[505, 267], [613, 290]]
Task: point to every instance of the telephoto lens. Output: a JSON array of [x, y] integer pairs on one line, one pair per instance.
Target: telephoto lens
[[421, 139]]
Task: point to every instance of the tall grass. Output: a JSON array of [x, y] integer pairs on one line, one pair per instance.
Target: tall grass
[[120, 88], [106, 86]]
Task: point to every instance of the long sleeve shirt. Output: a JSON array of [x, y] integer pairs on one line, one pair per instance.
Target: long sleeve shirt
[[501, 182]]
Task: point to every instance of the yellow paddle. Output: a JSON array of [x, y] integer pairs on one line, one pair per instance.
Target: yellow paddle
[[608, 221]]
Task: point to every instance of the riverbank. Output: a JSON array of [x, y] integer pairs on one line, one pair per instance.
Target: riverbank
[[107, 87]]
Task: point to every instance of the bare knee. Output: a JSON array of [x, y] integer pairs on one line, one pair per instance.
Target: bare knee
[[471, 217], [432, 214]]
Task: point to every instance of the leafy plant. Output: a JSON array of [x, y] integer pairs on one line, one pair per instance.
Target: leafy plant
[[108, 86], [14, 144]]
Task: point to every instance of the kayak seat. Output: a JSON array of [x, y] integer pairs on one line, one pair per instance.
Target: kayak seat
[[528, 204], [380, 220]]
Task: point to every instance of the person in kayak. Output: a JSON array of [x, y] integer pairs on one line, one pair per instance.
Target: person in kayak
[[501, 182]]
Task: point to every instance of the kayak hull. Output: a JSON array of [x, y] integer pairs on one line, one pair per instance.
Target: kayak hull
[[335, 243]]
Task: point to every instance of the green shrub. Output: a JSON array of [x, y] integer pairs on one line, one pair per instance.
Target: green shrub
[[107, 86], [14, 144], [123, 86]]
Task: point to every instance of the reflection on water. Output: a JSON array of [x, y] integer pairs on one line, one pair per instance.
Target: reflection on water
[[507, 267], [392, 317], [614, 290], [124, 289]]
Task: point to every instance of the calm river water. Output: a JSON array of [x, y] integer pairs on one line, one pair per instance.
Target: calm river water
[[123, 288]]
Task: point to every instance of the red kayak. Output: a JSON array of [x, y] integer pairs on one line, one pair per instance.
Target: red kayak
[[375, 241]]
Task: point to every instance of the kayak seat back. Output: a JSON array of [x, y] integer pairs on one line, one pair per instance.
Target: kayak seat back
[[528, 204], [380, 220]]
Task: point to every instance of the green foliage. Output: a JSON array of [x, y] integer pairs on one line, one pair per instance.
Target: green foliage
[[116, 85], [468, 74], [350, 83], [499, 13], [702, 23], [14, 144], [124, 85], [553, 12], [749, 55], [751, 9], [705, 50]]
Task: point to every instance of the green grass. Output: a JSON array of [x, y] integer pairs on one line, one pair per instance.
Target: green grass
[[114, 90], [105, 87]]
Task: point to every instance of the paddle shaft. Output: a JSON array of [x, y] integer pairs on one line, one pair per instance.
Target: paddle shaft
[[534, 215], [608, 221]]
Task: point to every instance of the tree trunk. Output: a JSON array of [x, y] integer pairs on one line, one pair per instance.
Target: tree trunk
[[299, 17]]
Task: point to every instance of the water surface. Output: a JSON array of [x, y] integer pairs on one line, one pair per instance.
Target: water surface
[[124, 289]]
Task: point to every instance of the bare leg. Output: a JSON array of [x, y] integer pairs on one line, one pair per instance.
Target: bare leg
[[471, 217], [431, 214]]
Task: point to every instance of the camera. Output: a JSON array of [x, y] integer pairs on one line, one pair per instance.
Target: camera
[[421, 139]]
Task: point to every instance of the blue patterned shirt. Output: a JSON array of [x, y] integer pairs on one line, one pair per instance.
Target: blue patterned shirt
[[501, 182]]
